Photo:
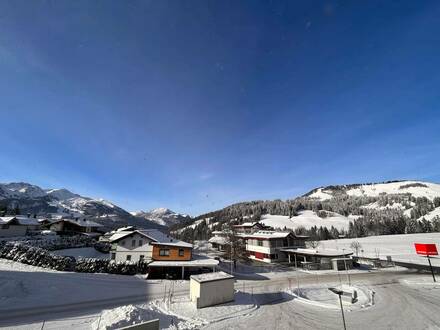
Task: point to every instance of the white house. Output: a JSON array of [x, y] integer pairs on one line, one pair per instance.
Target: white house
[[219, 240], [211, 289], [266, 245], [14, 226], [151, 244]]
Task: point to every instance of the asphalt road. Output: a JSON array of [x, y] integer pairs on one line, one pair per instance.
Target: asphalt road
[[283, 315]]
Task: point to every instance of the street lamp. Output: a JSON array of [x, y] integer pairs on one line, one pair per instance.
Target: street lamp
[[340, 293]]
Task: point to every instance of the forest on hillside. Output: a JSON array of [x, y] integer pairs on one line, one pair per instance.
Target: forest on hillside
[[383, 215]]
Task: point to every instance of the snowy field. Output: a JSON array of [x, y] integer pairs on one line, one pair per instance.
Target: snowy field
[[399, 247], [88, 252], [306, 219]]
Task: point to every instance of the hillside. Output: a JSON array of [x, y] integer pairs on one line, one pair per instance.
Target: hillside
[[355, 210], [35, 200]]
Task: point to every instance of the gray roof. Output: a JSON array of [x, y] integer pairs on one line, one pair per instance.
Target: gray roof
[[22, 220], [210, 277], [155, 235], [80, 223], [320, 253]]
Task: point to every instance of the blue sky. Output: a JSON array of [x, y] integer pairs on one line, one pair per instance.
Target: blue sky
[[194, 105]]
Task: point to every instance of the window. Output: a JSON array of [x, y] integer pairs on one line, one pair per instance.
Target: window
[[113, 256], [128, 257], [260, 243], [141, 242], [164, 252], [133, 243], [123, 243], [181, 252], [141, 257], [5, 226]]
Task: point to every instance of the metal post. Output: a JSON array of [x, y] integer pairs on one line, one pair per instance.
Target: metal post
[[297, 275], [432, 270], [231, 258], [342, 311]]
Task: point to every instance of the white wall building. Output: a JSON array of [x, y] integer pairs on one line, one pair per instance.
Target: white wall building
[[211, 289], [138, 245], [266, 245]]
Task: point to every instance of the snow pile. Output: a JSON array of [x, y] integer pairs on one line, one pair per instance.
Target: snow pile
[[306, 219], [130, 315]]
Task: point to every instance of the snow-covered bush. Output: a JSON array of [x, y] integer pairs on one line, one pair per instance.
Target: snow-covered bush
[[91, 265], [35, 256]]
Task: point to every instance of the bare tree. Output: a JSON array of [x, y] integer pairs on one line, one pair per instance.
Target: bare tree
[[356, 247]]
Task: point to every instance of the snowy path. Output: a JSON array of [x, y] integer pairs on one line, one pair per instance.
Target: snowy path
[[397, 307]]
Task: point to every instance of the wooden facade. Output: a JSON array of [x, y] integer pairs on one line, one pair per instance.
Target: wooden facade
[[169, 252]]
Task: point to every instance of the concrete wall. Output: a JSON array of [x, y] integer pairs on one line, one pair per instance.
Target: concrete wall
[[212, 293], [13, 230]]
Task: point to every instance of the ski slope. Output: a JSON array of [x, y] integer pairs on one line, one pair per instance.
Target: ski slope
[[306, 219]]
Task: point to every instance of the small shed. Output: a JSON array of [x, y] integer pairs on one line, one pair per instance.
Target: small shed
[[211, 289]]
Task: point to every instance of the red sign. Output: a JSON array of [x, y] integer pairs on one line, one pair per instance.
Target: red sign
[[426, 249]]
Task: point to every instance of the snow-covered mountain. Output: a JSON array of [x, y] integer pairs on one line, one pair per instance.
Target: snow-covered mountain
[[33, 199], [162, 216]]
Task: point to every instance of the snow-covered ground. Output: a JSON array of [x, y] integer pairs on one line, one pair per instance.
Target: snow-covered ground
[[306, 219], [399, 247], [415, 188], [321, 296], [88, 252]]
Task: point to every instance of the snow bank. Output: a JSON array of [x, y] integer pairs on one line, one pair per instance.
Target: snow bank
[[130, 314]]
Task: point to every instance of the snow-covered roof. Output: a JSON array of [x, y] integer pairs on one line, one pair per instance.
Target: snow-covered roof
[[219, 232], [155, 235], [80, 222], [22, 220], [218, 240], [268, 234], [210, 277], [248, 224], [319, 252]]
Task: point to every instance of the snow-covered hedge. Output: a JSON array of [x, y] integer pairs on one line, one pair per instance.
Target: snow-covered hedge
[[35, 256], [91, 265]]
